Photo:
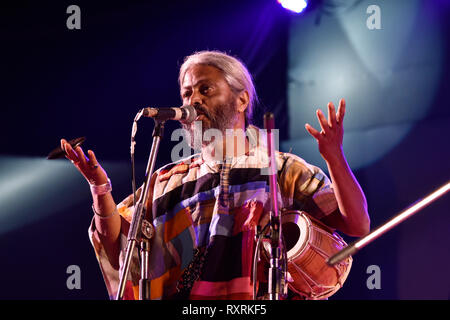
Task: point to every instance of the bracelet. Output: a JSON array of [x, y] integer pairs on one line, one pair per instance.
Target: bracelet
[[101, 189], [104, 217]]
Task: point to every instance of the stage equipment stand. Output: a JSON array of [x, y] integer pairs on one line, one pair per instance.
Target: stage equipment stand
[[392, 223], [140, 230], [276, 270]]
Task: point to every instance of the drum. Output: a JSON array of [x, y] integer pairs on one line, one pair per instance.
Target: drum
[[309, 243]]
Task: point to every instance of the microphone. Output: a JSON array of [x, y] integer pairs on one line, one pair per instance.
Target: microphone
[[185, 114]]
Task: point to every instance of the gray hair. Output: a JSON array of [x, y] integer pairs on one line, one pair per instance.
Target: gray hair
[[236, 74]]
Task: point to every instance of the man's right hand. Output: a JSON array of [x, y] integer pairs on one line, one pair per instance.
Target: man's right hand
[[88, 166], [107, 224]]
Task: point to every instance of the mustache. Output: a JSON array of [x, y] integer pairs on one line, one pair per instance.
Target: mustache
[[202, 110]]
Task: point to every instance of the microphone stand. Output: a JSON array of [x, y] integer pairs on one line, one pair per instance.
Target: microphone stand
[[405, 214], [275, 271], [140, 229]]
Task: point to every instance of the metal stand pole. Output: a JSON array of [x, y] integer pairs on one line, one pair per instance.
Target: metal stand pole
[[144, 283], [407, 213], [135, 233], [275, 270]]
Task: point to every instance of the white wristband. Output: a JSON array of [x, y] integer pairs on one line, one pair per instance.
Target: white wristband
[[101, 189]]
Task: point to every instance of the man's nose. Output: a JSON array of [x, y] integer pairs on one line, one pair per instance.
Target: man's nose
[[195, 99]]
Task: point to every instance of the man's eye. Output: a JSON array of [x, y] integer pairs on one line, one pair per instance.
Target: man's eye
[[186, 94], [205, 89]]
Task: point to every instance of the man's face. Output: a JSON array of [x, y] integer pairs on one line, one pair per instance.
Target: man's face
[[205, 88]]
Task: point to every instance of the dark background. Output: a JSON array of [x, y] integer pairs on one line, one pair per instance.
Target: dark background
[[91, 82]]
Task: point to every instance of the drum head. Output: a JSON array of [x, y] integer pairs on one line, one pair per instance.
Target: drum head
[[296, 233]]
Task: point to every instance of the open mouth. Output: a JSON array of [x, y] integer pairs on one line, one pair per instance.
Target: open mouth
[[201, 114]]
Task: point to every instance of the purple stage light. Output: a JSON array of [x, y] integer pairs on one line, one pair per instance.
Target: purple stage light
[[294, 5]]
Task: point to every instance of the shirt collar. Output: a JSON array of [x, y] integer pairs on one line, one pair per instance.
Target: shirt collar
[[257, 139]]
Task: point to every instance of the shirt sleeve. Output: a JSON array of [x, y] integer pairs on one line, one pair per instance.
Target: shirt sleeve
[[110, 273], [306, 187]]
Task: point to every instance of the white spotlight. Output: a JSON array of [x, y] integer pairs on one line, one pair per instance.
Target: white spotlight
[[293, 5]]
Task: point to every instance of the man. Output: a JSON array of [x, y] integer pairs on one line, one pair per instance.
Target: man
[[205, 208]]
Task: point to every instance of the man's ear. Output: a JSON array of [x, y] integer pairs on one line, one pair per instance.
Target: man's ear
[[242, 101]]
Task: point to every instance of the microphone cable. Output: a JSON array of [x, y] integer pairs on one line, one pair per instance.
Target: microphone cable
[[132, 147]]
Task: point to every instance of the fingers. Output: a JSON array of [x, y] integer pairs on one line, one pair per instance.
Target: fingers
[[341, 111], [92, 160], [76, 156], [331, 115], [70, 153], [312, 131], [81, 156], [333, 118], [63, 141], [322, 121], [87, 166]]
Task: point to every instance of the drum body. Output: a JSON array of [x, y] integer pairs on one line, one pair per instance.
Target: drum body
[[309, 243]]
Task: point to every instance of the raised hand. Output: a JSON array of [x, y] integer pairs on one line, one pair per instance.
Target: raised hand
[[331, 136], [107, 222], [88, 166]]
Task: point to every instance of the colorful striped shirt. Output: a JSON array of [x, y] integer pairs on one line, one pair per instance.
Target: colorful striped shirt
[[204, 215]]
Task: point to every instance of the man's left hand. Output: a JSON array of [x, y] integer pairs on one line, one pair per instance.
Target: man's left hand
[[331, 136]]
